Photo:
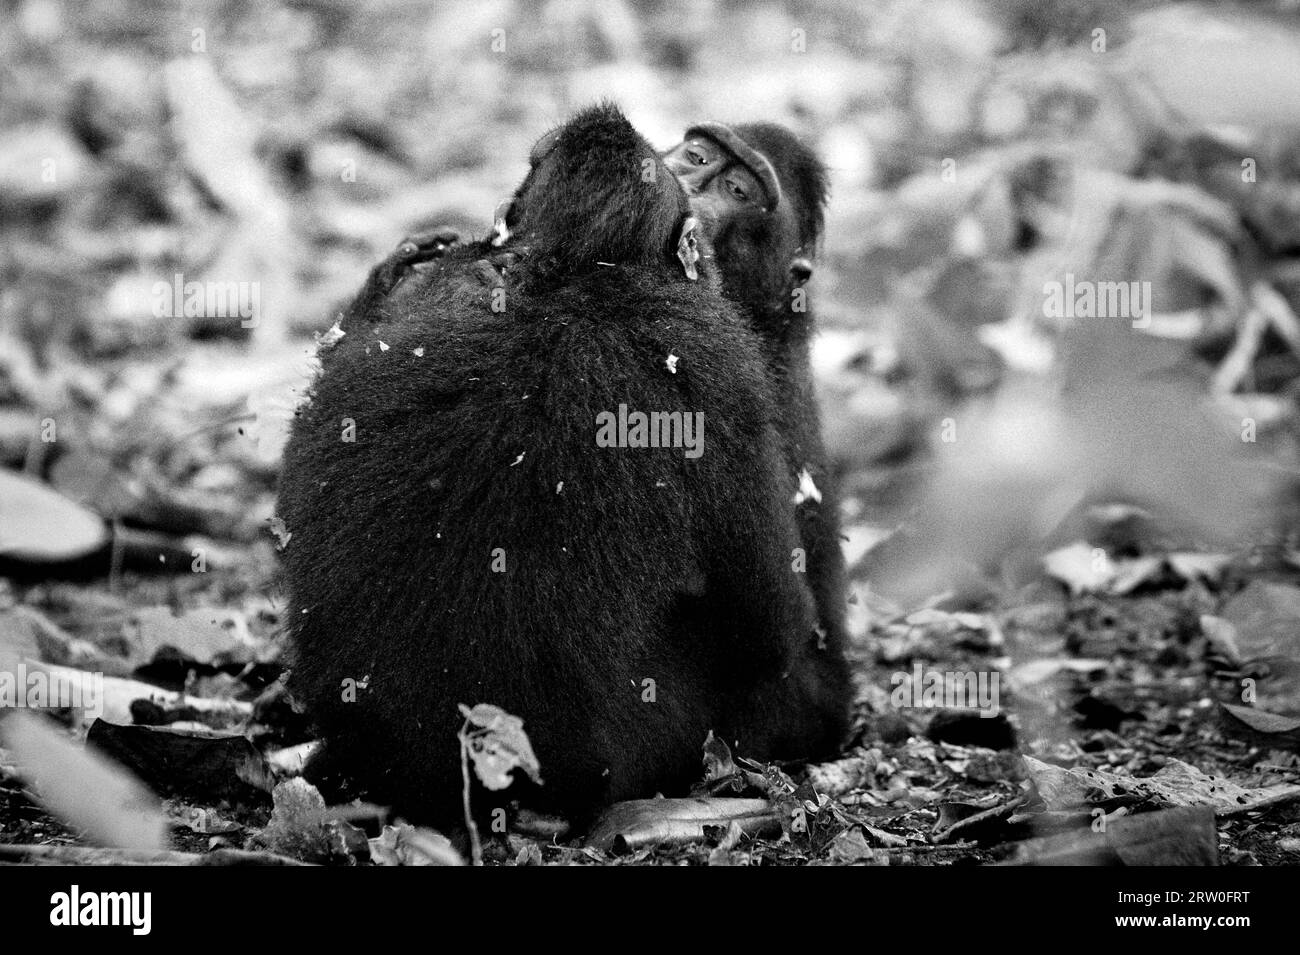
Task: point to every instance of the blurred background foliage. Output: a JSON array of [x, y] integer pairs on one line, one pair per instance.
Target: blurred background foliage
[[978, 150]]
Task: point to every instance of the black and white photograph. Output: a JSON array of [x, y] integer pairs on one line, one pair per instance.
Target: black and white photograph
[[642, 433]]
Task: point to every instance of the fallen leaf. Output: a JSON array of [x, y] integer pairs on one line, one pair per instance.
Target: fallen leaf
[[39, 524], [82, 788]]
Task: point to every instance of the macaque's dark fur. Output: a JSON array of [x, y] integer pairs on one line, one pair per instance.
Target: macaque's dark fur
[[753, 252], [645, 565]]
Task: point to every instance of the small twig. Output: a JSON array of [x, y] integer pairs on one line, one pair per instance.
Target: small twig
[[1278, 312], [946, 847], [1268, 802], [475, 846], [1236, 364], [1268, 309], [115, 558], [83, 855], [997, 812], [34, 460]]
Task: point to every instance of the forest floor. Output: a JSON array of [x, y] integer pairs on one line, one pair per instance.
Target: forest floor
[[1075, 628]]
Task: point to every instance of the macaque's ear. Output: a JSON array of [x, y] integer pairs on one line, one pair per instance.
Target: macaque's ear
[[801, 271], [688, 247], [500, 231]]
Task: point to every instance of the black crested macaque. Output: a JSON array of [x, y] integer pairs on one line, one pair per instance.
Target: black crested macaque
[[464, 532], [761, 195], [422, 259]]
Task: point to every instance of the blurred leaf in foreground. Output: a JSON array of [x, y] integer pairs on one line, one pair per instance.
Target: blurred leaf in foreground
[[83, 789]]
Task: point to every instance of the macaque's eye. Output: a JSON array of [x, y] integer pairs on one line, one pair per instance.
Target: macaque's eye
[[741, 186], [698, 153]]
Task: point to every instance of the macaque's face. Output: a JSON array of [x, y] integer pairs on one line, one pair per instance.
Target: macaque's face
[[743, 213], [721, 185]]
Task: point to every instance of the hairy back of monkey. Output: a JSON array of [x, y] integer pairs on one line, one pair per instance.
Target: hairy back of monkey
[[474, 542]]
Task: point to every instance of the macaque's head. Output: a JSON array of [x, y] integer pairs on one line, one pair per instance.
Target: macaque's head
[[597, 192], [759, 193]]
